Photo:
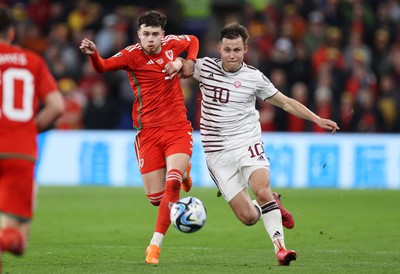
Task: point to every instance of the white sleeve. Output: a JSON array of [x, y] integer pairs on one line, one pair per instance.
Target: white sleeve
[[264, 87], [197, 68]]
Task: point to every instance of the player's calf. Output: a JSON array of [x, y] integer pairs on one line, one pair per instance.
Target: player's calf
[[155, 198]]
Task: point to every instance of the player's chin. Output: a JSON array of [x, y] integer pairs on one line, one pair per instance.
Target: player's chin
[[150, 50]]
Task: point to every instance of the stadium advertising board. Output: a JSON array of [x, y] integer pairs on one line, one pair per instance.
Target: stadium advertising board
[[298, 160]]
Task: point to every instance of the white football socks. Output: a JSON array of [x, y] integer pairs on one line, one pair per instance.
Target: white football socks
[[273, 224], [258, 208], [157, 239]]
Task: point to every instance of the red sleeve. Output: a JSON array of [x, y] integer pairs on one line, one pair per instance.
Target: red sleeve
[[116, 62], [193, 48], [188, 43]]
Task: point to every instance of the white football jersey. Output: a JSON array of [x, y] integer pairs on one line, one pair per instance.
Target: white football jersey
[[228, 114]]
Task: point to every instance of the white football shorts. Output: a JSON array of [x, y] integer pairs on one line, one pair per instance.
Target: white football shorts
[[231, 169]]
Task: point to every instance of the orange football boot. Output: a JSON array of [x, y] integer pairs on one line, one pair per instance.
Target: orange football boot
[[152, 254], [186, 184]]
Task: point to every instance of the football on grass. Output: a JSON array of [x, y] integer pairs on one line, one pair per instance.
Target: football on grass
[[188, 214]]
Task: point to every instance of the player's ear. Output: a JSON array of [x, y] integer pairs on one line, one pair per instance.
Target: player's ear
[[219, 48], [246, 47], [11, 34]]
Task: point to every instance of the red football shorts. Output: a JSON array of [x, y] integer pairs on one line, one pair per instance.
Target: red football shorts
[[153, 145], [17, 187]]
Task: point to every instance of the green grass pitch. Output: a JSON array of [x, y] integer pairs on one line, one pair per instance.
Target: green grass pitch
[[106, 230]]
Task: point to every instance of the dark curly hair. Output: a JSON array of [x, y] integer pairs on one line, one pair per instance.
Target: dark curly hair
[[6, 20], [152, 18], [233, 31]]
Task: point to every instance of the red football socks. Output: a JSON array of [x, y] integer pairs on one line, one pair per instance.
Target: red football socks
[[155, 198], [11, 240], [171, 195]]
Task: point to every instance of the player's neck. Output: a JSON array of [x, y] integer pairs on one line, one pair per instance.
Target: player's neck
[[7, 37], [232, 70], [151, 53], [4, 41]]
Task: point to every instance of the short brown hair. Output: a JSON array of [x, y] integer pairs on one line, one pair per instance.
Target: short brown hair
[[233, 31], [152, 18]]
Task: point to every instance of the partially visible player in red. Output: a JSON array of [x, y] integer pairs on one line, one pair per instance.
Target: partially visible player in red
[[25, 82], [163, 144]]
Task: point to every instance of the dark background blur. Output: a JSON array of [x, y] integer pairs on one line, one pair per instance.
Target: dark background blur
[[339, 58]]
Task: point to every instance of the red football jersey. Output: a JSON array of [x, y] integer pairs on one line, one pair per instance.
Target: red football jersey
[[25, 81], [158, 101]]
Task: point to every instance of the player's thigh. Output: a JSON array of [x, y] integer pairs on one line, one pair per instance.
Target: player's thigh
[[149, 150], [259, 183], [17, 188], [178, 139], [154, 181], [224, 170], [178, 161], [255, 169]]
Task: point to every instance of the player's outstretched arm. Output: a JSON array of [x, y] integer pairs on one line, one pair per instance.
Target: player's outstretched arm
[[327, 124], [87, 46], [296, 108], [99, 64]]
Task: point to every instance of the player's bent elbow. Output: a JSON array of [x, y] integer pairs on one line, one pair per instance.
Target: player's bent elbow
[[56, 103]]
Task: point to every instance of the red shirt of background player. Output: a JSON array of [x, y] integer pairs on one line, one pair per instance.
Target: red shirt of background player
[[25, 81]]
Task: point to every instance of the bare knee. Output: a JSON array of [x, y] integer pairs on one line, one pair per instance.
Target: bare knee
[[244, 209], [248, 218], [263, 195]]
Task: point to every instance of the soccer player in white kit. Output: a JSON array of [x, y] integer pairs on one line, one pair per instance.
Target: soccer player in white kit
[[231, 133]]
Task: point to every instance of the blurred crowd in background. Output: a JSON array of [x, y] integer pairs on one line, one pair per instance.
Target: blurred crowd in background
[[341, 58]]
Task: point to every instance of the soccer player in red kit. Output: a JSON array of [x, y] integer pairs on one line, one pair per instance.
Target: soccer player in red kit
[[25, 82], [163, 144]]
